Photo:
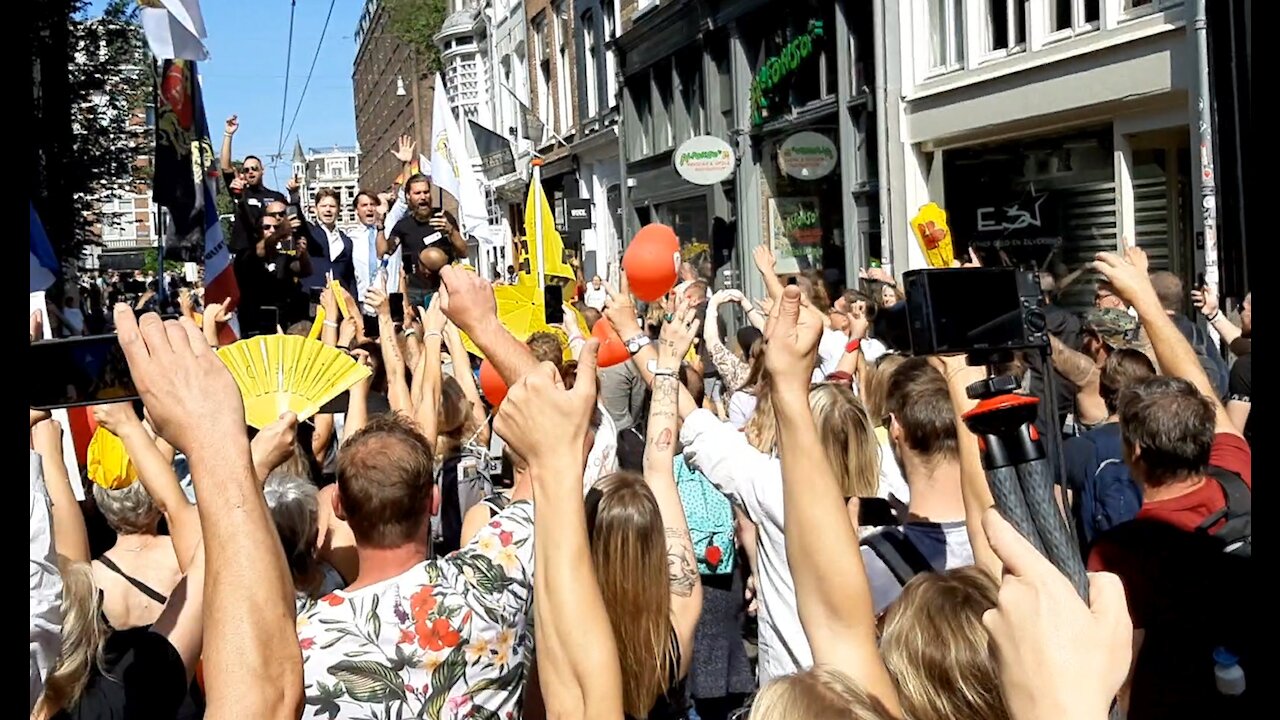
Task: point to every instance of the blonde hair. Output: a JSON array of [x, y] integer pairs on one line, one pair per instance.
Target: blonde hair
[[628, 549], [874, 386], [938, 651], [820, 693], [83, 635], [848, 438], [454, 416]]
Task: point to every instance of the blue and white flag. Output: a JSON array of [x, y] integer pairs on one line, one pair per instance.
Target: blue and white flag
[[44, 263]]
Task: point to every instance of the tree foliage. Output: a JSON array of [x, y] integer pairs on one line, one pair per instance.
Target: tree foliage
[[109, 78], [415, 23]]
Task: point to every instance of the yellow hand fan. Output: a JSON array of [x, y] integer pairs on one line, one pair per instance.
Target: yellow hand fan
[[108, 464], [930, 227], [287, 373]]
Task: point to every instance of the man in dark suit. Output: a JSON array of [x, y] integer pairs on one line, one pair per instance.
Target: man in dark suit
[[330, 247]]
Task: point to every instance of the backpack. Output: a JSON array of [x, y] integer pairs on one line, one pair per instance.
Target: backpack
[[1108, 496], [898, 553], [710, 517], [1235, 534]]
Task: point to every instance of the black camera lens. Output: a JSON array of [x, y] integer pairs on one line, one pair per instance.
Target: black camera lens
[[1036, 321]]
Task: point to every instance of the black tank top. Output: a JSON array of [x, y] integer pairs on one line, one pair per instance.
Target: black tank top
[[674, 703]]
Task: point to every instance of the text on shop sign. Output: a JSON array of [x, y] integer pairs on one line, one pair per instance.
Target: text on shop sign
[[777, 68]]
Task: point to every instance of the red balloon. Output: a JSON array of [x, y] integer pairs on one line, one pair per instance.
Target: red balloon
[[612, 350], [491, 383], [652, 261]]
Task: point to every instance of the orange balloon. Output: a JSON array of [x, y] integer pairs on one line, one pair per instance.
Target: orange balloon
[[612, 350], [652, 261], [491, 383]]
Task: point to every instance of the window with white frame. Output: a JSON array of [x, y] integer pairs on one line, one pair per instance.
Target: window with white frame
[[1069, 17], [609, 9], [563, 72], [1005, 25], [591, 74], [945, 20]]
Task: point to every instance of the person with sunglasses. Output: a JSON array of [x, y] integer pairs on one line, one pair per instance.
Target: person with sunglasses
[[268, 273], [247, 190]]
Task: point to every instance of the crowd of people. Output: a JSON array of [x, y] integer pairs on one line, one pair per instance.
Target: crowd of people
[[791, 520]]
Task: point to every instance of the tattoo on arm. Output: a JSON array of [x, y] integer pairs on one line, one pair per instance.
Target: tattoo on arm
[[682, 569], [1075, 366]]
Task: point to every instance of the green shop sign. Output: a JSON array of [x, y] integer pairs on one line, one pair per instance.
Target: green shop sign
[[779, 68]]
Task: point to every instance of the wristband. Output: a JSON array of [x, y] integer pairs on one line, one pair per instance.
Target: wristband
[[430, 333], [1214, 316], [657, 372], [330, 324], [853, 345], [409, 332]]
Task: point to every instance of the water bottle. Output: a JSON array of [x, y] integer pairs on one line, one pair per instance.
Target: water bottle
[[1227, 673]]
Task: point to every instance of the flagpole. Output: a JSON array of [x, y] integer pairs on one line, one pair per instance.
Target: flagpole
[[537, 221]]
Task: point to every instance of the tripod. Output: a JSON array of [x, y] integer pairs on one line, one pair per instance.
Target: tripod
[[1018, 468]]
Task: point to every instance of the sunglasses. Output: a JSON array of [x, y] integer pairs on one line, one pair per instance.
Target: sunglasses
[[251, 169], [275, 214]]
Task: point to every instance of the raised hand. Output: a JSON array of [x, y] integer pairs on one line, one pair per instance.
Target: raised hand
[[791, 340], [116, 417], [467, 299], [677, 334], [237, 184], [329, 302], [1127, 275], [233, 124], [1057, 656], [274, 444], [37, 325], [620, 310], [293, 185], [1206, 299], [192, 398], [875, 273], [405, 149], [433, 319], [765, 259]]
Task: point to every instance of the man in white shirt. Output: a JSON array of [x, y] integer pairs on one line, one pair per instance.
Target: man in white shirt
[[596, 295], [374, 219], [45, 586]]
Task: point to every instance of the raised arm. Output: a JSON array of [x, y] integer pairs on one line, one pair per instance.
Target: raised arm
[[1206, 299], [1083, 372], [469, 303], [247, 674], [766, 263], [466, 380], [659, 474], [428, 399], [578, 670], [157, 476], [620, 311], [70, 537], [392, 359], [832, 592], [1128, 276], [233, 124]]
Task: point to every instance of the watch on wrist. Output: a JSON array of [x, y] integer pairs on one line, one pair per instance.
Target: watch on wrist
[[638, 343]]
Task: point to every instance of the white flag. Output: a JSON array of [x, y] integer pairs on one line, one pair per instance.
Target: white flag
[[176, 32], [451, 169]]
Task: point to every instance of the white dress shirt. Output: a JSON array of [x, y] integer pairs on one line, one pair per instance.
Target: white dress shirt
[[364, 252], [46, 586]]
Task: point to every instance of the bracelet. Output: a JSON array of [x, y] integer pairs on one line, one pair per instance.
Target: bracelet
[[347, 348], [663, 372], [1215, 315], [409, 332], [432, 333], [330, 324]]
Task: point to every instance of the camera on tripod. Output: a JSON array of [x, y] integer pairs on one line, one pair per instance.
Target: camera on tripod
[[985, 313]]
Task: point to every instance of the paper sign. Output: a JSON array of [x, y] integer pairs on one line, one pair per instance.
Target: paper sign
[[68, 443], [930, 227]]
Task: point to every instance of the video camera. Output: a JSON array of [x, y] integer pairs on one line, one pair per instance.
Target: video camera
[[977, 311]]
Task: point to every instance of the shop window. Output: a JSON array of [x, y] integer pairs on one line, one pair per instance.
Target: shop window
[[590, 67], [794, 61], [945, 29], [663, 134], [639, 131], [688, 111], [609, 9]]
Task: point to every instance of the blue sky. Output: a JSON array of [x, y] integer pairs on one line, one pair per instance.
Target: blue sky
[[245, 74]]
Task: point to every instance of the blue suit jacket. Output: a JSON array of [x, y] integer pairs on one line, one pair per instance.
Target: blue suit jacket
[[342, 266]]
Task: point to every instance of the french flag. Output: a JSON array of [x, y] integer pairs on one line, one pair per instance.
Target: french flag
[[45, 267]]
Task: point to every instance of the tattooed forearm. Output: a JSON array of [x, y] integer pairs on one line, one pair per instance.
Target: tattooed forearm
[[1074, 366], [682, 569], [662, 415]]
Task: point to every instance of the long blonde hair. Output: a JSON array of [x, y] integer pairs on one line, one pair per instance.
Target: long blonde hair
[[874, 387], [820, 693], [938, 651], [455, 419], [848, 438], [83, 636], [628, 549]]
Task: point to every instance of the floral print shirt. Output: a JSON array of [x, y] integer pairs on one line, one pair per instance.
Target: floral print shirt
[[447, 640]]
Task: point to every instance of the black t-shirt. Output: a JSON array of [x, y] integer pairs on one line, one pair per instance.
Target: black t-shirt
[[1240, 387], [250, 204], [413, 236], [268, 282], [147, 681]]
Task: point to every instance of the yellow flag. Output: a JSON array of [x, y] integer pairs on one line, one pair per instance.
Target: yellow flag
[[552, 245]]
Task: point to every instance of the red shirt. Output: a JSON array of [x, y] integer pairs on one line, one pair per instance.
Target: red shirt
[[1176, 588]]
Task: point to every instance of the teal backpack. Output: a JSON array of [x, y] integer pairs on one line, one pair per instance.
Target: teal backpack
[[710, 517]]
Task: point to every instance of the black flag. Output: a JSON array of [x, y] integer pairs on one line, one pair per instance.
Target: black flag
[[496, 158], [183, 156], [530, 124]]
